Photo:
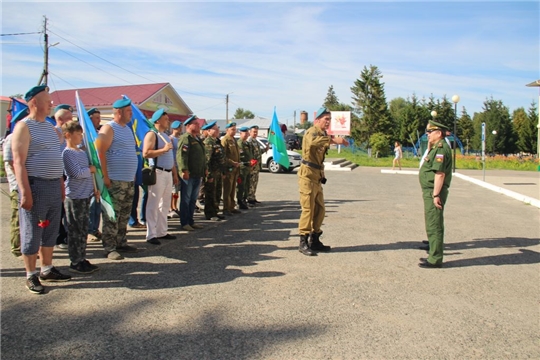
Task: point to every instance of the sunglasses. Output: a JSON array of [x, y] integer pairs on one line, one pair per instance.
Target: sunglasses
[[430, 131]]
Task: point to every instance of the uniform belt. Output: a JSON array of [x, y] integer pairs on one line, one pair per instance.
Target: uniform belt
[[313, 165], [160, 168]]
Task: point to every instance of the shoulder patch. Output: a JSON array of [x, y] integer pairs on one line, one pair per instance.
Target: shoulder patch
[[185, 147], [439, 158]]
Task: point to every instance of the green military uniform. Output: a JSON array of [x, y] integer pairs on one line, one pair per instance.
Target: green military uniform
[[254, 181], [232, 154], [438, 159], [246, 155], [215, 160], [310, 174], [191, 156]]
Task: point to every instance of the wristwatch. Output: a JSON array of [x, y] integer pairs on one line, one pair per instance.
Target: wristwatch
[[435, 196]]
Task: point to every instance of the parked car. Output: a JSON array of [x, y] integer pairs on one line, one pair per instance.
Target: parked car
[[268, 158], [293, 142]]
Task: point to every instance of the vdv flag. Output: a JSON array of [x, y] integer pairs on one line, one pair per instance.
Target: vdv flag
[[278, 142], [89, 138], [140, 126], [19, 111]]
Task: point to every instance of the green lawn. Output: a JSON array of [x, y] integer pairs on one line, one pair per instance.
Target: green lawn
[[463, 162]]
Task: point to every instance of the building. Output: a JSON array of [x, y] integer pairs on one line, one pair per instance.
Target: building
[[147, 97]]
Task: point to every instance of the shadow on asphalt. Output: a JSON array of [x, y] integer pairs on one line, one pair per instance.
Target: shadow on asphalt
[[100, 335], [207, 256], [524, 257]]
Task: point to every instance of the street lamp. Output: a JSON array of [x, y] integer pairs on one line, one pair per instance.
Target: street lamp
[[455, 100], [537, 84]]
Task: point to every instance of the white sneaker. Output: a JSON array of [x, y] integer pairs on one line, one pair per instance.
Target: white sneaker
[[172, 215]]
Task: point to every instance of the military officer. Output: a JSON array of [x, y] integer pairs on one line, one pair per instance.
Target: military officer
[[232, 163], [246, 157], [215, 161], [435, 176], [310, 179], [191, 159], [257, 155]]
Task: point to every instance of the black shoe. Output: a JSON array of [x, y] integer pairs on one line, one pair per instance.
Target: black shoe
[[168, 237], [227, 212], [258, 202], [427, 265], [425, 242], [90, 266], [235, 211], [426, 248], [126, 248], [315, 243], [252, 202], [221, 217], [304, 247], [34, 285], [243, 206], [54, 275], [83, 267], [154, 241]]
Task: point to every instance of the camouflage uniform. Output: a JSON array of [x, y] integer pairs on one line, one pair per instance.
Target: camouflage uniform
[[15, 233], [246, 155], [254, 181], [231, 174], [114, 232], [215, 158], [77, 215]]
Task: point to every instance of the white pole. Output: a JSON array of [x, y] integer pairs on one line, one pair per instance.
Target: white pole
[[483, 151]]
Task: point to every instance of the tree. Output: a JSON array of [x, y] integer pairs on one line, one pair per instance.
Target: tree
[[243, 114], [497, 118], [331, 99], [380, 144], [369, 102], [414, 119], [525, 130], [533, 123], [465, 129]]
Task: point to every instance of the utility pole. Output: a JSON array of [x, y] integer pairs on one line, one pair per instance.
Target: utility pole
[[227, 108], [294, 122], [44, 76]]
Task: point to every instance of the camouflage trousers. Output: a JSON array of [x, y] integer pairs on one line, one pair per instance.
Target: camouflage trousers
[[14, 231], [229, 189], [211, 202], [242, 190], [219, 190], [114, 231], [253, 182], [78, 218]]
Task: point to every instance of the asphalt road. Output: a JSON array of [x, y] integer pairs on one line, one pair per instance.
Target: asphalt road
[[239, 289]]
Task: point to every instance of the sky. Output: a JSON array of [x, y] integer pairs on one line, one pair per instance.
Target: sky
[[279, 54]]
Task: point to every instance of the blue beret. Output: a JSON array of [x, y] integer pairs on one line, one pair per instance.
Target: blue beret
[[121, 103], [92, 111], [254, 127], [321, 112], [209, 125], [157, 115], [63, 107], [230, 125], [190, 119], [34, 91], [243, 129], [176, 124]]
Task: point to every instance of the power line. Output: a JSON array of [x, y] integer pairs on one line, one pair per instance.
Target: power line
[[120, 67], [32, 33], [106, 72]]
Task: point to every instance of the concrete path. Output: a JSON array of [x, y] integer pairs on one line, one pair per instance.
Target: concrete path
[[239, 289]]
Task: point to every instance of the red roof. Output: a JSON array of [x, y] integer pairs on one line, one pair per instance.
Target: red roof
[[105, 96]]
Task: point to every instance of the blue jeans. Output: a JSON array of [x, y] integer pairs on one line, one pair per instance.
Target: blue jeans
[[133, 218], [188, 198], [95, 215]]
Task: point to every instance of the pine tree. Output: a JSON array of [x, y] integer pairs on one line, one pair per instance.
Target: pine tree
[[369, 102], [331, 100], [533, 124], [465, 129], [497, 117]]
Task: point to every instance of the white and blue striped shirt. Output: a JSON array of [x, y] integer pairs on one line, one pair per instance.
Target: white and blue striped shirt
[[44, 159], [122, 156], [79, 183], [164, 161]]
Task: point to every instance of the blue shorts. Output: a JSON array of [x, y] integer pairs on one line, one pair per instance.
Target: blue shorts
[[47, 205]]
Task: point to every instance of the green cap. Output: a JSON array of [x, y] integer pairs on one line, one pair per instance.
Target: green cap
[[433, 125]]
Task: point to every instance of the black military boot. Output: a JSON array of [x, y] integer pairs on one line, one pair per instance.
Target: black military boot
[[304, 247], [316, 244]]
